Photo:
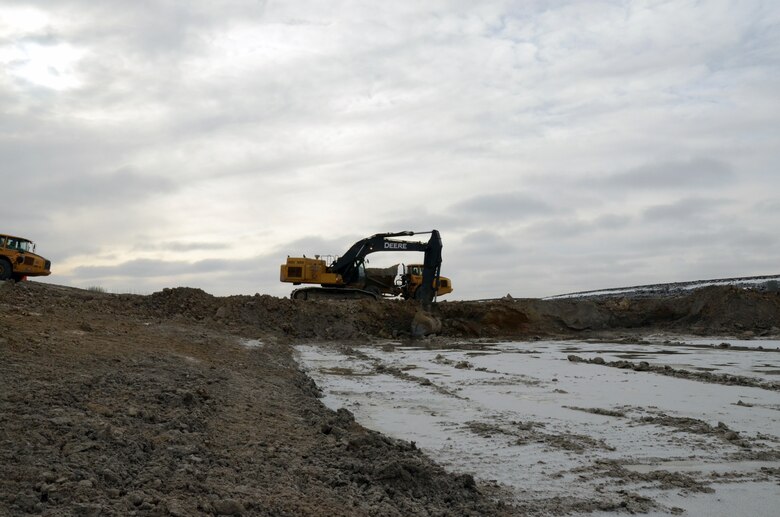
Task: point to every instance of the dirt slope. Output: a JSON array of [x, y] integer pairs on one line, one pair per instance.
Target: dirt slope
[[181, 403]]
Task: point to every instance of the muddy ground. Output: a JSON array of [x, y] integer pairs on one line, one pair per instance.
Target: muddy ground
[[181, 403]]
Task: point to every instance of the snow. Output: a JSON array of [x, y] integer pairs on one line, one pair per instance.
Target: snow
[[643, 290], [527, 395]]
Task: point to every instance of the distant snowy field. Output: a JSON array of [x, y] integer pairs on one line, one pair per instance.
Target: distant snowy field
[[767, 282], [524, 416]]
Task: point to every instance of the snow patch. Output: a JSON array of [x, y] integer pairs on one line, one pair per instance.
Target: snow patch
[[523, 415]]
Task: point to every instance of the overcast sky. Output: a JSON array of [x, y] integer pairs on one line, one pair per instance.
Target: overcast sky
[[556, 145]]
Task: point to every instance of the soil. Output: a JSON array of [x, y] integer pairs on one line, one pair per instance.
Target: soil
[[181, 403]]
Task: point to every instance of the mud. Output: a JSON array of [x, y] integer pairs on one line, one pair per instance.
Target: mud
[[696, 426], [661, 479], [524, 433], [703, 376], [181, 403], [599, 411]]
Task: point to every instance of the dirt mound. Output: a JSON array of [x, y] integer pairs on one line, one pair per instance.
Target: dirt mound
[[180, 403], [711, 310]]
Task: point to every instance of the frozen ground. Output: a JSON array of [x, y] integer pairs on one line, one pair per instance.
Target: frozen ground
[[766, 281], [567, 437]]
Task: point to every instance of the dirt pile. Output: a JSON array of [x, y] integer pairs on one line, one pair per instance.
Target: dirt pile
[[710, 311], [182, 403], [158, 405]]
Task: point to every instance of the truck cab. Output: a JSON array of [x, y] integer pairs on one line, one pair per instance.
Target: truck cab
[[412, 279], [18, 259]]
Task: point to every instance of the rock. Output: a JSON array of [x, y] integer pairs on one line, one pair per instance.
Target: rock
[[228, 507], [643, 366], [467, 480], [26, 501], [176, 509], [136, 498], [88, 510], [598, 360], [187, 398], [423, 324]]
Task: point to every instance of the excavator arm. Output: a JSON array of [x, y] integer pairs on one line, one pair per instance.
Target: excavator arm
[[431, 268], [349, 264]]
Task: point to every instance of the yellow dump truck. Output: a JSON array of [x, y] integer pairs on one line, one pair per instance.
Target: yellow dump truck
[[18, 259]]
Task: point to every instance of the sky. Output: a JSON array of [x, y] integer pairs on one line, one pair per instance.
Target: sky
[[557, 145]]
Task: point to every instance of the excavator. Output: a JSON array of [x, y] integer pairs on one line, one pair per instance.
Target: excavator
[[346, 277]]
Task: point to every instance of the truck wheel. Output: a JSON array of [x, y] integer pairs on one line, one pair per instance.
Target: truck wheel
[[5, 269]]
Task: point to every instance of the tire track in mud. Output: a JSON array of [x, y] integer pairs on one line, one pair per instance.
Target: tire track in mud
[[379, 367]]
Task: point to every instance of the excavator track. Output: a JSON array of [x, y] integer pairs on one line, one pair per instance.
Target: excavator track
[[332, 293]]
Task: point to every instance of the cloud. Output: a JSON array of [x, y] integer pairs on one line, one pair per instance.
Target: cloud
[[216, 276], [487, 243], [186, 246], [685, 210], [700, 173], [768, 206], [141, 268], [539, 138], [509, 205], [47, 197]]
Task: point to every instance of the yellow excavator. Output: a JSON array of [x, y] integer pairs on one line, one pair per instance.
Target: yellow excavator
[[346, 277]]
